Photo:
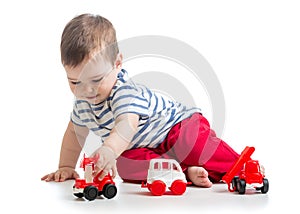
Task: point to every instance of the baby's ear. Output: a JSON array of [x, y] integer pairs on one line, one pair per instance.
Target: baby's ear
[[119, 60]]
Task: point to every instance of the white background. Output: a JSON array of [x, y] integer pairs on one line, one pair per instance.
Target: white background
[[253, 47]]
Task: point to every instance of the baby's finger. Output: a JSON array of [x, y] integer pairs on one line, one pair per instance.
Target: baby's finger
[[45, 177], [48, 177], [114, 171], [57, 176], [75, 175], [103, 174], [100, 164], [96, 171], [63, 176]]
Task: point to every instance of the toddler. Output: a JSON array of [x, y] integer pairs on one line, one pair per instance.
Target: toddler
[[134, 123]]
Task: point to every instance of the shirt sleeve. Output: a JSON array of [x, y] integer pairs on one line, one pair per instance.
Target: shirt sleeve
[[75, 118], [130, 99]]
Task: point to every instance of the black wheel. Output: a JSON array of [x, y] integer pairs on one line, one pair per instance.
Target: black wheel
[[90, 193], [265, 187], [109, 191], [79, 194], [241, 186], [234, 182]]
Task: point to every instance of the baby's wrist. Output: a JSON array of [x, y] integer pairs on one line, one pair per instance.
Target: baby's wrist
[[111, 149]]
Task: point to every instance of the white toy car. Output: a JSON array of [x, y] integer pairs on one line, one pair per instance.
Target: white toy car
[[164, 173]]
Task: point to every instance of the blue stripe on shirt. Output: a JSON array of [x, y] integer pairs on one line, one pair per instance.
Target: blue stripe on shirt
[[81, 111], [128, 105], [110, 121], [128, 96], [88, 120], [103, 113], [156, 124]]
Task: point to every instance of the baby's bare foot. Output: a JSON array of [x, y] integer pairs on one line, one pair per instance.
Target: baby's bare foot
[[199, 176]]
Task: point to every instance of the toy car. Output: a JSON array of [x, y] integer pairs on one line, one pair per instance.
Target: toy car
[[250, 175], [91, 187], [163, 173]]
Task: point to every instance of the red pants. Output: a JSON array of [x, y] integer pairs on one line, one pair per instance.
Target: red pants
[[190, 142]]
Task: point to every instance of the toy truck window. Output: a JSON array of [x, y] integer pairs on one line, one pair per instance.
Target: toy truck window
[[163, 166], [156, 166], [174, 167]]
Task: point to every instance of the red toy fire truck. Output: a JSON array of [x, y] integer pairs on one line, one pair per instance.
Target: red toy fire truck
[[91, 187], [250, 175]]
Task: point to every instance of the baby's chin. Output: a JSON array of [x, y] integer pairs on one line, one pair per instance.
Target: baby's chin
[[95, 101]]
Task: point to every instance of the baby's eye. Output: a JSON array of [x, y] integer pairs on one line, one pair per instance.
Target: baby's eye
[[97, 80], [75, 83]]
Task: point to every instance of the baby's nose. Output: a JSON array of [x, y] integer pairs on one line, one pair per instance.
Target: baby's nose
[[89, 89]]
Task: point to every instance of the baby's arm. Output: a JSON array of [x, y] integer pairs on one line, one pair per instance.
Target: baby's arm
[[71, 147], [118, 141], [126, 126]]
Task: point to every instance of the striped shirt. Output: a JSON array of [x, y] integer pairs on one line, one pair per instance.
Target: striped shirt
[[157, 113]]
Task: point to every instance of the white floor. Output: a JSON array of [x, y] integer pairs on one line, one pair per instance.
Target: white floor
[[22, 189], [58, 198]]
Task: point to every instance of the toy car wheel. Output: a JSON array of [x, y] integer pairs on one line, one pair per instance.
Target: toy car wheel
[[79, 195], [158, 188], [109, 191], [265, 187], [234, 183], [241, 186], [90, 193], [178, 187]]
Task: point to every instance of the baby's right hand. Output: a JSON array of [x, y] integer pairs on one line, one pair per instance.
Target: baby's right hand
[[61, 174]]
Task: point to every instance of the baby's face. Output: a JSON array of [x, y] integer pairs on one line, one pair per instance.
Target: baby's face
[[92, 80]]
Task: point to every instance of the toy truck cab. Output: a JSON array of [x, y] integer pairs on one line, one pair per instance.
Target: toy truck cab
[[163, 173], [91, 187], [250, 174]]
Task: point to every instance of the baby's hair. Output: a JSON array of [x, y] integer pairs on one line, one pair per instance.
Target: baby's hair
[[85, 35]]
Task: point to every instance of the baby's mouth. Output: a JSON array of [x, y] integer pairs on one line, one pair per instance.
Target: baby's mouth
[[92, 97]]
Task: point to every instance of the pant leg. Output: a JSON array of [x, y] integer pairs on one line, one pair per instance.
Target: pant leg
[[193, 143], [133, 164], [222, 159]]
